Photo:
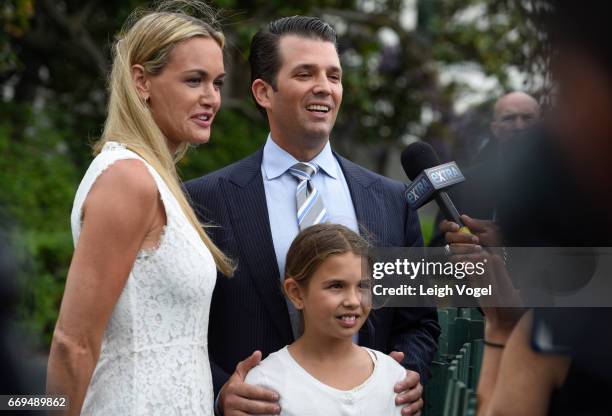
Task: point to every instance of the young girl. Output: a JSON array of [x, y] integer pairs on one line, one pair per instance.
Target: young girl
[[323, 372]]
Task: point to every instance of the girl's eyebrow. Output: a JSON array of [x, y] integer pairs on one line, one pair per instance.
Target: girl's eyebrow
[[333, 280]]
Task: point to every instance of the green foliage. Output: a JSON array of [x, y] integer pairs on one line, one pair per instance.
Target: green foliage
[[427, 228], [15, 20], [38, 184]]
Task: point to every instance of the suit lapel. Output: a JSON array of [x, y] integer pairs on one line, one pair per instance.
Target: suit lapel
[[250, 221], [367, 203]]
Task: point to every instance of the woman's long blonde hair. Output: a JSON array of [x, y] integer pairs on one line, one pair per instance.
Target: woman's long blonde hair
[[148, 38]]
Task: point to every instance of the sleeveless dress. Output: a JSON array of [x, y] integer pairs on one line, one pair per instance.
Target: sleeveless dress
[[154, 353]]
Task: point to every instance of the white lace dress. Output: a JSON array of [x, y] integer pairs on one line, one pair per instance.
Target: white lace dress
[[154, 355]]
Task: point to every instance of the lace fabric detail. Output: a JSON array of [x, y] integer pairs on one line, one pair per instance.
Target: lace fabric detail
[[145, 253], [154, 355], [113, 146]]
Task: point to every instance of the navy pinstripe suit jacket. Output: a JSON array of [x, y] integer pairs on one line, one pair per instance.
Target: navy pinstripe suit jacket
[[249, 312]]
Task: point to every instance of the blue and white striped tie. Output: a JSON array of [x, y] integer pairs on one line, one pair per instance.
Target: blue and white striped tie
[[310, 208]]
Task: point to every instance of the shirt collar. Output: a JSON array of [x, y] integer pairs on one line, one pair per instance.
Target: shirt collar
[[276, 161]]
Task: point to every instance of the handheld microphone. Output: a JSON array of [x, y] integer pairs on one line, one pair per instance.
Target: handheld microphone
[[430, 179]]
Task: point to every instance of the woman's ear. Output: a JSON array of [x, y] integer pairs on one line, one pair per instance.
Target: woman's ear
[[262, 91], [294, 292], [141, 81]]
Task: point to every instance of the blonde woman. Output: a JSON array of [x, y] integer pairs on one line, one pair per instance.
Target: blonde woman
[[131, 337]]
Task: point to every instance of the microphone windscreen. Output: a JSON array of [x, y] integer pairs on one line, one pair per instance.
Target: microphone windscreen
[[417, 157]]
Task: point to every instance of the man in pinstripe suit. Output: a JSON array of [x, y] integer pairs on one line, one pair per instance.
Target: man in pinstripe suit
[[297, 83]]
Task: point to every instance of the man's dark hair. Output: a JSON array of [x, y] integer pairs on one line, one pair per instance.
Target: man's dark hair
[[264, 57]]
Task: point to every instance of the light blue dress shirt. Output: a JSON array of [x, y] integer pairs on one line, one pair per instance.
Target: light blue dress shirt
[[280, 187]]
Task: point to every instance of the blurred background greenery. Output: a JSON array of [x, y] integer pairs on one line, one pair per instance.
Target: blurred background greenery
[[414, 69]]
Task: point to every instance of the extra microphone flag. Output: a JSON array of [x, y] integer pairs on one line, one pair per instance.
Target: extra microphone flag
[[430, 180]]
